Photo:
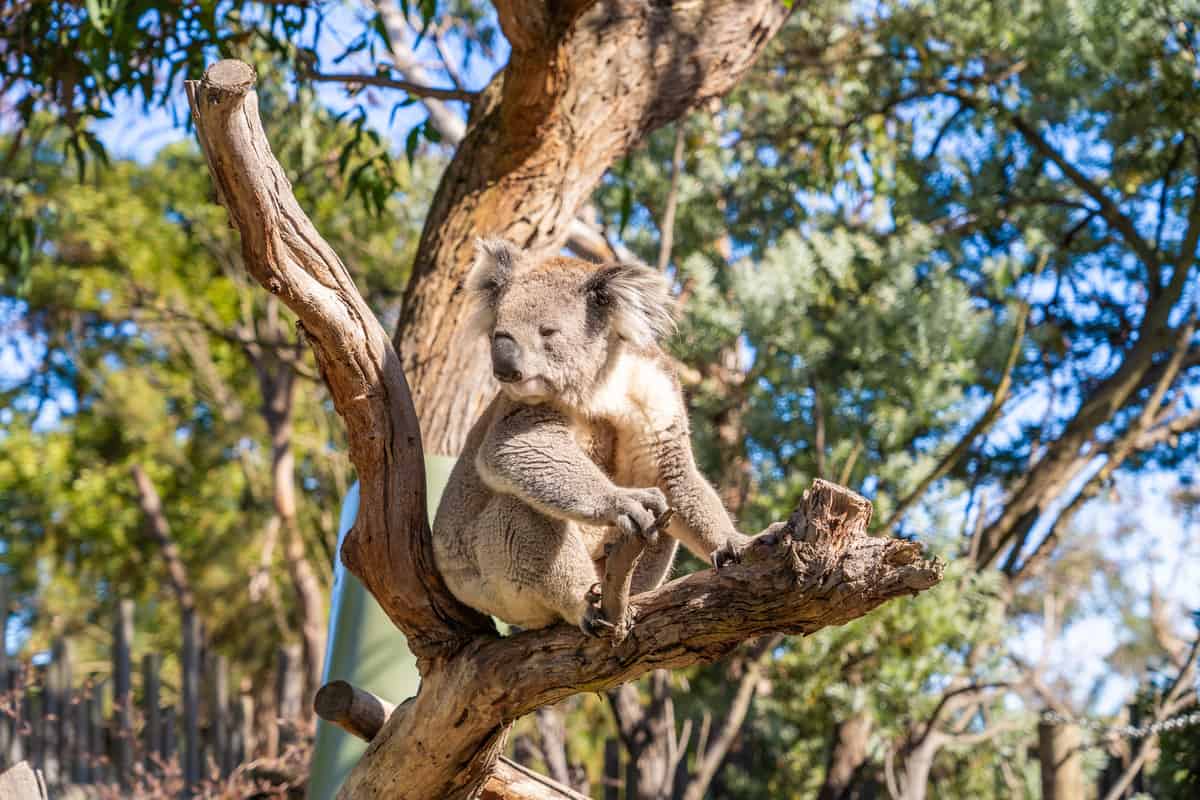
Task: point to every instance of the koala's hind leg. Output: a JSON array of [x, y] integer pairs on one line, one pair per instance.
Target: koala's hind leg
[[537, 569]]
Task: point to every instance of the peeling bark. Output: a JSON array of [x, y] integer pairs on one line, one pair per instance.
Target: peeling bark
[[818, 569]]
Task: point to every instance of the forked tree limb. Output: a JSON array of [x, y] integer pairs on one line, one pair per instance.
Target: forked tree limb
[[818, 569], [390, 547]]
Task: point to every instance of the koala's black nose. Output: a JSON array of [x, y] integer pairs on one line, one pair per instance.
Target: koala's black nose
[[506, 358]]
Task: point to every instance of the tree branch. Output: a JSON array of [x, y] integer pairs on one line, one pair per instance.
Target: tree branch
[[999, 397], [362, 715], [1165, 708], [818, 569], [415, 89], [160, 529], [667, 225], [714, 753], [390, 546], [1108, 209], [583, 238]]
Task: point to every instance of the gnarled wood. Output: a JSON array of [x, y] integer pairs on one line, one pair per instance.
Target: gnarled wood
[[362, 714], [389, 547], [818, 569]]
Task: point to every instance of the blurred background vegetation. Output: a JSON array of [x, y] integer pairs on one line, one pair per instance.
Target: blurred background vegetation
[[943, 252]]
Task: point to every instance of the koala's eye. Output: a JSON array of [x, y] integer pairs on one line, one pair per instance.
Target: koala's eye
[[547, 331]]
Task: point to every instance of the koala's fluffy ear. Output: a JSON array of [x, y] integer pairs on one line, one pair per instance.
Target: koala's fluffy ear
[[638, 300], [495, 261]]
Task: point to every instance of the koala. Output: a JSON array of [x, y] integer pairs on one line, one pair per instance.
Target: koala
[[587, 441]]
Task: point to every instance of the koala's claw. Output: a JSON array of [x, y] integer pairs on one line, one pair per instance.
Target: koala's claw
[[594, 624], [727, 554]]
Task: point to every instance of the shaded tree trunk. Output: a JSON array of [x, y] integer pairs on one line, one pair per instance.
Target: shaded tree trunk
[[849, 753], [585, 83], [648, 733]]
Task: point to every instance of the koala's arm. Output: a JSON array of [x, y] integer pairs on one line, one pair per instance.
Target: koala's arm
[[530, 453], [701, 521]]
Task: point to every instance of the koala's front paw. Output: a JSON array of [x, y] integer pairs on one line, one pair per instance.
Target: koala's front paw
[[639, 511], [731, 552]]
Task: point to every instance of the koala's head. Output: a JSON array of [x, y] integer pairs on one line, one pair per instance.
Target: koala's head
[[555, 325]]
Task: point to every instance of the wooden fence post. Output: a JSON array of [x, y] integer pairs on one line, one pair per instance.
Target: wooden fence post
[[289, 688], [57, 692], [81, 769], [152, 728], [8, 716], [246, 721], [123, 692], [190, 689], [14, 751], [217, 674], [170, 735], [97, 741], [35, 691], [612, 769]]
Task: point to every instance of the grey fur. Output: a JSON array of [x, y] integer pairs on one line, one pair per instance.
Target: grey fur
[[592, 443]]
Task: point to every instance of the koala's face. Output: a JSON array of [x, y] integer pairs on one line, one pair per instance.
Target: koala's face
[[554, 326], [549, 338]]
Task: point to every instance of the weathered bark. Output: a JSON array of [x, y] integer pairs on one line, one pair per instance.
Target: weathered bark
[[585, 83], [582, 238], [389, 547], [363, 714], [818, 569]]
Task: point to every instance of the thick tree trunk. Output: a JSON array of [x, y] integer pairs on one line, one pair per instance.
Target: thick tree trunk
[[818, 569], [647, 733], [918, 762], [1060, 753], [849, 753], [585, 83]]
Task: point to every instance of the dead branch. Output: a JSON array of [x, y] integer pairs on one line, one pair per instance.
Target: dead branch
[[386, 82], [389, 547], [818, 569]]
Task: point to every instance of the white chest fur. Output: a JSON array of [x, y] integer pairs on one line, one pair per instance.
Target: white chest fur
[[640, 402]]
